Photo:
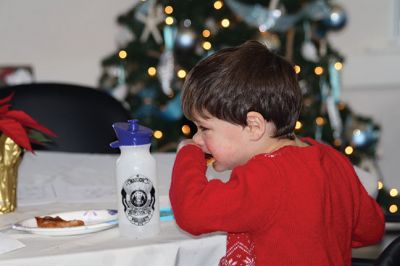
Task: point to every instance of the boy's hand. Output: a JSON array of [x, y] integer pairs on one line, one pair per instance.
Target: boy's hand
[[186, 142]]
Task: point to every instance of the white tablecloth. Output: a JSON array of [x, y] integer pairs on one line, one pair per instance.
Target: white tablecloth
[[51, 182]]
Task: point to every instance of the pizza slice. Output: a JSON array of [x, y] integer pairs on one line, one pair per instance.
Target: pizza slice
[[56, 222]]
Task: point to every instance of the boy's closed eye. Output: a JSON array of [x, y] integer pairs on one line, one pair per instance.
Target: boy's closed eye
[[201, 128]]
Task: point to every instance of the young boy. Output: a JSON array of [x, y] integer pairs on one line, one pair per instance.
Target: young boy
[[294, 202]]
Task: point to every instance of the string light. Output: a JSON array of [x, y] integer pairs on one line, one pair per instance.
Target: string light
[[218, 5], [169, 20], [298, 125], [338, 66], [225, 23], [297, 69], [206, 33], [380, 185], [348, 150], [181, 73], [318, 70], [122, 54], [393, 192], [320, 121], [337, 142], [262, 28], [393, 208], [308, 102], [168, 10], [152, 71], [186, 130], [207, 45], [158, 134]]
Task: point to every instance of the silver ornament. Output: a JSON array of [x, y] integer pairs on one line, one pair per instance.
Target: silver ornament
[[309, 51], [150, 14], [120, 92], [272, 19], [165, 71]]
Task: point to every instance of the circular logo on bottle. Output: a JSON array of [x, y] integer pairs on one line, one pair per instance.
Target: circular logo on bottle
[[138, 199]]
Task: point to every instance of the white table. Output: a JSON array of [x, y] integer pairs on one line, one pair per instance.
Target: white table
[[51, 182]]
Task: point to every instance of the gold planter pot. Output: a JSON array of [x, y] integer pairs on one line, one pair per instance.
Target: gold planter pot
[[10, 158]]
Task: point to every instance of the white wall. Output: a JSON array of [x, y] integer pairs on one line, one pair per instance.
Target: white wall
[[66, 40], [371, 78], [372, 56]]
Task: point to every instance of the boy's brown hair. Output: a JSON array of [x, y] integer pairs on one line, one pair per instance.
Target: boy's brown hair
[[234, 81]]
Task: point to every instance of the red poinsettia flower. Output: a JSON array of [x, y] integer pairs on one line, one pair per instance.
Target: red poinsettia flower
[[17, 124]]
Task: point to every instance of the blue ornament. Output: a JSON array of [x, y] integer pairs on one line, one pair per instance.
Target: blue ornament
[[336, 19], [364, 133], [185, 40]]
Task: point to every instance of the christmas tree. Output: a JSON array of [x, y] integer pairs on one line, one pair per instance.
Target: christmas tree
[[161, 40]]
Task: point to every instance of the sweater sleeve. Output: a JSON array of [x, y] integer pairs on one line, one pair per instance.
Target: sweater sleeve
[[202, 206], [368, 218], [369, 222]]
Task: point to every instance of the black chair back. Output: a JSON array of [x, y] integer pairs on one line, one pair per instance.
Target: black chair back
[[361, 262], [82, 117], [390, 255]]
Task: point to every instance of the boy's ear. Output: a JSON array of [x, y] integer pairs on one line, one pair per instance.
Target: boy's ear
[[256, 125]]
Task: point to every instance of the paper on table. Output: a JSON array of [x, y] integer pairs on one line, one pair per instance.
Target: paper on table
[[8, 243]]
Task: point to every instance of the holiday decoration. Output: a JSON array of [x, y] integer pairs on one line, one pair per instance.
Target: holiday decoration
[[150, 15], [167, 38], [336, 19], [15, 135]]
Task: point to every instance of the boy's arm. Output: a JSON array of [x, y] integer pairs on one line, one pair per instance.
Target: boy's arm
[[202, 206], [369, 221]]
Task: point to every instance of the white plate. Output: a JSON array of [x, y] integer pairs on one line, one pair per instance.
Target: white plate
[[95, 220]]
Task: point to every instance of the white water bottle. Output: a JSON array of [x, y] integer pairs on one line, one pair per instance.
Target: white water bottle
[[138, 199]]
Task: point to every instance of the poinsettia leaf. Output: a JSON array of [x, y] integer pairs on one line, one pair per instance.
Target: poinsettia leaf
[[16, 132], [38, 137], [28, 121], [7, 99], [4, 109], [34, 141]]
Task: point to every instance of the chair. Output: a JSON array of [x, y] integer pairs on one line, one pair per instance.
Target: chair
[[82, 117], [390, 255], [362, 262]]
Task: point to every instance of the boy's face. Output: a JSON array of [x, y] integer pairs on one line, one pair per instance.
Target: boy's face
[[226, 142]]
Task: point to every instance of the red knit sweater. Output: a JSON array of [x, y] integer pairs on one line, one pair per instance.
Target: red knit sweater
[[300, 206]]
